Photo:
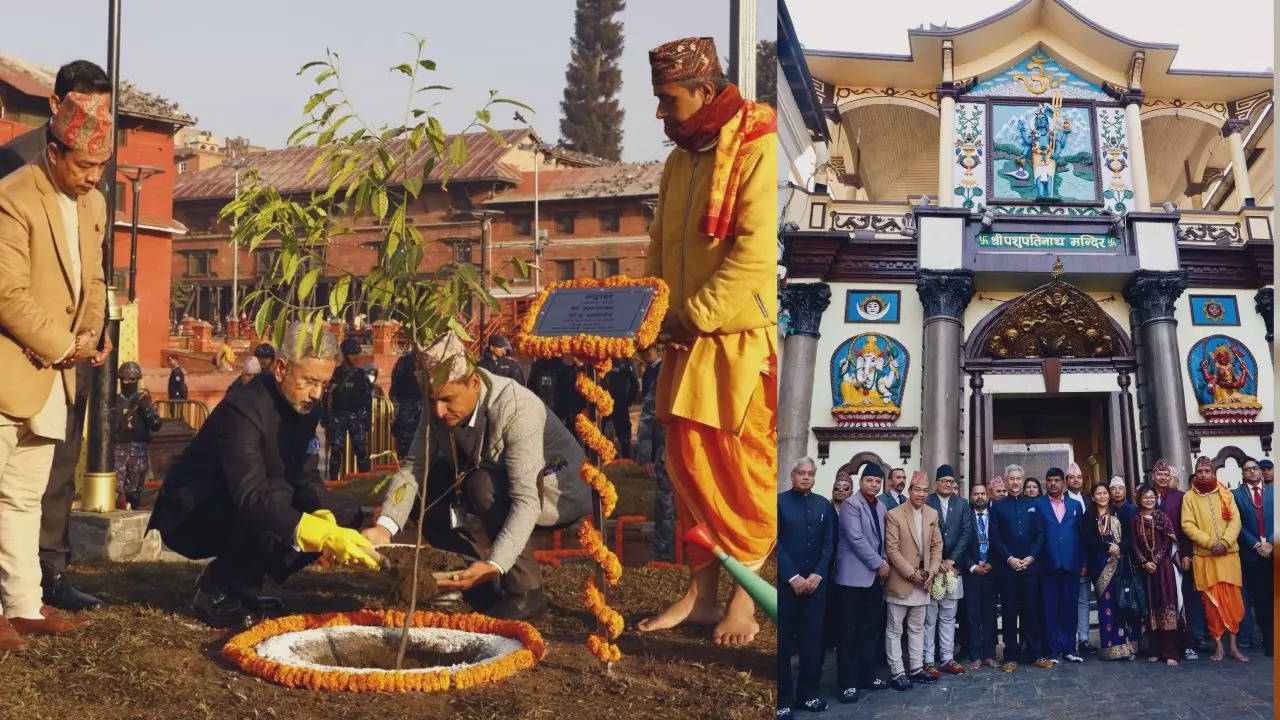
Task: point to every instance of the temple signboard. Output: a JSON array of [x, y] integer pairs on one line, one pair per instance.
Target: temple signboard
[[1048, 242]]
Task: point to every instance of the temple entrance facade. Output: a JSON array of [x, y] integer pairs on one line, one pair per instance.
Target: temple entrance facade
[[1029, 235]]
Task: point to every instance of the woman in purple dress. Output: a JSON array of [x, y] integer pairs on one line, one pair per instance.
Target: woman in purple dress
[[1155, 546], [1104, 548]]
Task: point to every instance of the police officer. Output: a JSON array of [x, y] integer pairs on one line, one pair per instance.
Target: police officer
[[406, 396], [134, 419], [266, 355], [371, 370], [497, 359], [350, 396]]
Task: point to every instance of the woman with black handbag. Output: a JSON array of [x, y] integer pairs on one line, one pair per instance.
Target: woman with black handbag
[[1105, 551]]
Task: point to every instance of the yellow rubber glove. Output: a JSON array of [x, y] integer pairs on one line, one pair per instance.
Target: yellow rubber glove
[[322, 513], [317, 533]]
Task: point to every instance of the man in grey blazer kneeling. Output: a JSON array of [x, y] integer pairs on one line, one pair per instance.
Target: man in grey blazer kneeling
[[496, 465]]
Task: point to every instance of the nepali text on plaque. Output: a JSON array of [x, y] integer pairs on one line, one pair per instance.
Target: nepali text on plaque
[[607, 312]]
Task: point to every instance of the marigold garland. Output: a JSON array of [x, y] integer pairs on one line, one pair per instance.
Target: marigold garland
[[591, 541], [609, 618], [241, 650], [599, 482], [595, 394], [595, 440]]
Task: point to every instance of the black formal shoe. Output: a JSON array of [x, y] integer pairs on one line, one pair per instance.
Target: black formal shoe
[[60, 593], [814, 705], [520, 606], [850, 695], [900, 682], [261, 603], [1085, 647], [920, 676], [220, 609], [879, 684]]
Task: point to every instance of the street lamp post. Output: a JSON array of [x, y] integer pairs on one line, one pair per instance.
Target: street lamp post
[[486, 220], [136, 175], [238, 159]]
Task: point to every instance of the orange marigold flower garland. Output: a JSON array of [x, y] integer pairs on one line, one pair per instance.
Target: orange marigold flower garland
[[591, 541], [241, 650], [599, 482], [595, 440], [595, 394]]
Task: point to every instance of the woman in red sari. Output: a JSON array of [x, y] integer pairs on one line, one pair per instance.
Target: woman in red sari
[[1155, 544]]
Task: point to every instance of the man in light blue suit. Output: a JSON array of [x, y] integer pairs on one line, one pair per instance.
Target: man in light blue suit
[[1062, 559], [1255, 502]]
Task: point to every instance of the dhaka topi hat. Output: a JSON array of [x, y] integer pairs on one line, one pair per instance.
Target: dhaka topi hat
[[1206, 462], [1116, 480], [684, 59], [1161, 466], [449, 352], [996, 482], [83, 122], [1074, 469]]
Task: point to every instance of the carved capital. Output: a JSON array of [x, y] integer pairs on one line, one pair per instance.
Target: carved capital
[[944, 293], [957, 88], [1124, 95], [1263, 302], [1152, 293], [805, 303], [1234, 126]]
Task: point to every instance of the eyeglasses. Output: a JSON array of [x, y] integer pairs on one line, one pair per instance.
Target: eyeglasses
[[306, 383]]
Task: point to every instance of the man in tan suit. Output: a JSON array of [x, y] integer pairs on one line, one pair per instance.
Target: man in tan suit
[[913, 544], [52, 301]]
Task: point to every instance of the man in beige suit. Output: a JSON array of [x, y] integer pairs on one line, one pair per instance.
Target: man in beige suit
[[913, 544], [52, 301]]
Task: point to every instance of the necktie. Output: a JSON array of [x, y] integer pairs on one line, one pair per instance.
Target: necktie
[[1257, 506], [982, 537]]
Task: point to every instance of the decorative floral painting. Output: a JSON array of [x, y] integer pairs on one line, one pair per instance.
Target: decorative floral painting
[[971, 160], [1225, 377], [868, 374]]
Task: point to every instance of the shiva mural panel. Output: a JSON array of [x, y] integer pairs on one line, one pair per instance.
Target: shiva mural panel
[[971, 166], [868, 375], [1038, 75], [1225, 377], [872, 306], [1042, 153], [1214, 310], [1113, 158]]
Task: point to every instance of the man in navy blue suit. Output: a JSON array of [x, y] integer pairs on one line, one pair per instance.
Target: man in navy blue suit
[[1061, 562], [1015, 545], [806, 524], [1254, 501]]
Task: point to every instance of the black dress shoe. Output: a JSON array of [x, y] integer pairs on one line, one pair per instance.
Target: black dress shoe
[[814, 705], [263, 603], [60, 593], [850, 695], [784, 713], [521, 606], [222, 610], [921, 676], [879, 684], [900, 682], [1085, 647]]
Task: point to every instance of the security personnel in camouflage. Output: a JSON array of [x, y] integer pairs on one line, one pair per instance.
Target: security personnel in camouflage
[[350, 398], [651, 448], [406, 396], [134, 419]]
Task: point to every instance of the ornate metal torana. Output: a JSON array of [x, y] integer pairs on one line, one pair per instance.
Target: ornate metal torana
[[1056, 320]]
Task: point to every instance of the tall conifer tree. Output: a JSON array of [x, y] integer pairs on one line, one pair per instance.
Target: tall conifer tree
[[591, 118]]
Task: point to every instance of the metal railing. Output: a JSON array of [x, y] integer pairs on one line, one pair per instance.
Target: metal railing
[[382, 444], [193, 412]]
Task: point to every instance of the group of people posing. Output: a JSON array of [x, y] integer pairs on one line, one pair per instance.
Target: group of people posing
[[870, 568]]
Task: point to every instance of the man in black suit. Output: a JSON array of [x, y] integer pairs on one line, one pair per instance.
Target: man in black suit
[[1016, 542], [895, 489], [980, 584], [806, 524], [79, 76], [247, 491], [956, 523]]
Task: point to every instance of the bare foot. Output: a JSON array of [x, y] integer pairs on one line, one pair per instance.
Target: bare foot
[[739, 626], [973, 665], [990, 662], [1171, 663], [1217, 654], [697, 605], [1235, 653], [1151, 659]]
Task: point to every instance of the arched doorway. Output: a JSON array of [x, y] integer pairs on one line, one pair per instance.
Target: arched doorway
[[1050, 372]]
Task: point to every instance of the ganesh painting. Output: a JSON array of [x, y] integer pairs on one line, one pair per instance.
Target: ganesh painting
[[868, 374], [1225, 377]]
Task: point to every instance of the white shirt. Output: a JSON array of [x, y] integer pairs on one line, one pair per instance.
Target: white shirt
[[51, 421]]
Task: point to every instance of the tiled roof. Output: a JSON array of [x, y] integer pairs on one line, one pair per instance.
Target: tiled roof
[[573, 157], [32, 79], [622, 180], [286, 170]]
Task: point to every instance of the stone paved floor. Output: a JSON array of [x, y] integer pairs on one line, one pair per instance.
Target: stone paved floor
[[1228, 690]]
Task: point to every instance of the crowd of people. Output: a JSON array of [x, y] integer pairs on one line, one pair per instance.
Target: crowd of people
[[886, 564]]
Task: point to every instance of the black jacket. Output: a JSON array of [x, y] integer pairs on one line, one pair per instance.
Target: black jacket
[[503, 366], [404, 380], [135, 418], [805, 528], [623, 385], [177, 384], [255, 455]]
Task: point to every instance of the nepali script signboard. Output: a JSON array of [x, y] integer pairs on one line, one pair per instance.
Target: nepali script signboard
[[1048, 242], [606, 312]]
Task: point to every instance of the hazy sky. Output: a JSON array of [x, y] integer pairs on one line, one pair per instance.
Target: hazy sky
[[1240, 37], [232, 63]]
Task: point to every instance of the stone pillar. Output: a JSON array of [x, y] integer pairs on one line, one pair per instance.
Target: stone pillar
[[1137, 152], [1152, 294], [1232, 130], [805, 303], [1263, 302], [944, 294], [946, 151], [1128, 429]]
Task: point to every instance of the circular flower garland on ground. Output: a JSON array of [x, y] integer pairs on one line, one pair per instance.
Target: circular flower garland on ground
[[600, 352], [246, 648]]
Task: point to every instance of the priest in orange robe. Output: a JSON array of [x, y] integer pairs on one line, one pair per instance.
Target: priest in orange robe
[[714, 242]]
